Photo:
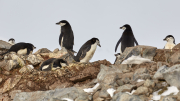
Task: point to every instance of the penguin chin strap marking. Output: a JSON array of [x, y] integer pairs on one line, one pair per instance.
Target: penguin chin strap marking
[[124, 28], [62, 24]]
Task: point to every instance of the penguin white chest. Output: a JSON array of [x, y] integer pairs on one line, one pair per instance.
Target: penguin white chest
[[22, 51], [62, 42], [89, 54], [169, 45]]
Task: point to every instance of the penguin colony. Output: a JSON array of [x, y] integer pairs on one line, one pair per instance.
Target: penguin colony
[[87, 50]]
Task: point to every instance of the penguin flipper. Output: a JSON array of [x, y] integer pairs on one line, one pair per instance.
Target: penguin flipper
[[118, 44], [136, 42], [84, 51], [60, 38]]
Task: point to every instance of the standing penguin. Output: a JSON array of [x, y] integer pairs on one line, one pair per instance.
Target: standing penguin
[[87, 50], [170, 42], [66, 38], [127, 39]]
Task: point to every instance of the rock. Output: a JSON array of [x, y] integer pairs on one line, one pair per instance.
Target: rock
[[4, 97], [126, 97], [18, 59], [6, 73], [11, 64], [126, 88], [13, 93], [172, 76], [177, 46], [58, 85], [25, 69], [168, 98], [140, 83], [141, 73], [141, 91], [107, 75], [146, 51], [4, 45], [160, 71], [1, 80], [57, 95], [56, 50], [175, 58], [43, 50], [2, 64], [10, 83], [149, 83], [34, 59], [103, 93]]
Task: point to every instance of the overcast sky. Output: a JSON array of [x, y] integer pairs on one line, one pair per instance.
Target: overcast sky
[[34, 21]]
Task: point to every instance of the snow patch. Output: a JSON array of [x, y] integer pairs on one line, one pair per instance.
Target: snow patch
[[111, 91], [91, 90], [135, 60], [170, 90], [131, 92], [139, 80], [67, 99]]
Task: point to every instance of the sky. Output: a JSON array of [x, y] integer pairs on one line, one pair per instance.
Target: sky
[[34, 22]]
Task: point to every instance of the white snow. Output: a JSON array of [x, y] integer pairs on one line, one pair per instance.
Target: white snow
[[170, 90], [91, 90], [67, 99], [135, 60], [111, 91], [131, 92], [139, 80]]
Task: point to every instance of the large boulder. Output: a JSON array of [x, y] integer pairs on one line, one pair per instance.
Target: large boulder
[[147, 52]]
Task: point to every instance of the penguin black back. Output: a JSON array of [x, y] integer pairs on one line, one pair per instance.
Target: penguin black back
[[87, 50], [19, 46], [127, 39], [47, 62], [66, 38]]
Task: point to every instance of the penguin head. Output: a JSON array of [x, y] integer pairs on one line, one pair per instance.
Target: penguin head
[[11, 41], [62, 23], [95, 40], [126, 26], [169, 38], [117, 55]]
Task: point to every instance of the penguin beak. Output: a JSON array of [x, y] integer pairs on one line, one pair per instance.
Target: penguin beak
[[99, 44], [121, 27], [34, 47], [164, 39], [57, 23]]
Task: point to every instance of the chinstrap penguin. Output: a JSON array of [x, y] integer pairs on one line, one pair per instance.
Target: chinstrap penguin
[[21, 48], [127, 39], [117, 56], [11, 41], [87, 50], [66, 38], [170, 42], [52, 64]]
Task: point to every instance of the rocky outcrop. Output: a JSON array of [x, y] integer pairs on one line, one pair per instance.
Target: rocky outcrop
[[21, 80]]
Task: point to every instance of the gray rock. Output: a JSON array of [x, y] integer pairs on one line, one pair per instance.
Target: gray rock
[[43, 50], [146, 51], [11, 64], [56, 50], [160, 71], [141, 73], [126, 97], [13, 93], [168, 98], [4, 45], [149, 83], [141, 91], [172, 76], [54, 95], [126, 88], [27, 68], [34, 59]]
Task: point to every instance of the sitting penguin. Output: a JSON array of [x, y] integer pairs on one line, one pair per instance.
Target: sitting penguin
[[87, 50], [52, 64]]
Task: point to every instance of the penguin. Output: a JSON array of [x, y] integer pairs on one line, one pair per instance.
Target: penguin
[[52, 64], [170, 42], [11, 41], [127, 39], [87, 50], [117, 56], [21, 48], [66, 38]]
